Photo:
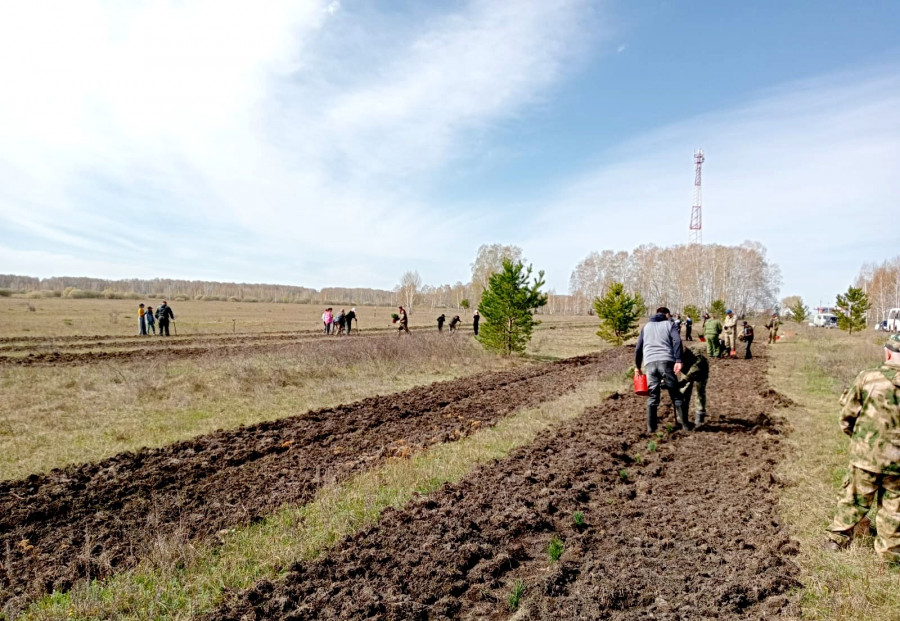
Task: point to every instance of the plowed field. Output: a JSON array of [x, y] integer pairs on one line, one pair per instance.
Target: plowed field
[[94, 519], [684, 530]]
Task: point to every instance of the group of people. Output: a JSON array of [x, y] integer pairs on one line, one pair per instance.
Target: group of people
[[341, 323], [454, 323], [148, 318], [722, 338]]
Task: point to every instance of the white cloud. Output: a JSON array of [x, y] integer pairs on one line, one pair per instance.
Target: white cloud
[[152, 122], [809, 170]]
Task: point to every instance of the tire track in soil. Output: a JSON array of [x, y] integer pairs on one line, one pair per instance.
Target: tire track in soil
[[692, 533], [94, 519]]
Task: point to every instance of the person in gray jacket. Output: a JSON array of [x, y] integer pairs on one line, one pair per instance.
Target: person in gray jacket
[[659, 349]]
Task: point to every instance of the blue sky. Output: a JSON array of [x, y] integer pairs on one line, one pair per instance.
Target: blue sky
[[341, 143]]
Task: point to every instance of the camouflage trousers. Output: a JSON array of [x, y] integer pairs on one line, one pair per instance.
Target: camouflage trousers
[[859, 489], [713, 348], [773, 335], [686, 391]]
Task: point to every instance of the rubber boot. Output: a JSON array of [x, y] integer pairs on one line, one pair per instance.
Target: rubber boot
[[652, 419], [682, 418], [699, 418]]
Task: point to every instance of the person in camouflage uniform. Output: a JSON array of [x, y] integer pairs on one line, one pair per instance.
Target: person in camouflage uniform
[[772, 325], [870, 415], [695, 370], [711, 330]]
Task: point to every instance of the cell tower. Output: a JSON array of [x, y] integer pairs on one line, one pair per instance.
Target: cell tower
[[696, 235]]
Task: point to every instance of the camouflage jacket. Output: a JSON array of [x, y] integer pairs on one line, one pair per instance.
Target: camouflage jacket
[[773, 324], [712, 327], [870, 415], [695, 366]]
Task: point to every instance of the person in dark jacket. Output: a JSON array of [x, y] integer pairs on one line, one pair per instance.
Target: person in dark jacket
[[688, 326], [163, 315], [475, 319], [659, 349], [151, 322], [747, 337], [454, 323], [349, 317], [441, 319], [403, 321]]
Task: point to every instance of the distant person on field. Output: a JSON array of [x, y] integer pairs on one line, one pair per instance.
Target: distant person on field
[[339, 323], [441, 319], [403, 321], [695, 369], [870, 415], [688, 326], [349, 319], [712, 328], [476, 318], [151, 322], [163, 315], [677, 322], [454, 323], [142, 323], [327, 319], [772, 326], [747, 337], [659, 349], [730, 330]]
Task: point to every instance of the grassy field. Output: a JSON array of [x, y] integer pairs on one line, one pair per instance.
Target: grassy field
[[813, 366]]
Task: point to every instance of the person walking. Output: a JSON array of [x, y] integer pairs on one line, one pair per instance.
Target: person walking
[[688, 326], [151, 322], [339, 323], [870, 415], [163, 315], [730, 331], [747, 337], [712, 328], [476, 318], [441, 319], [772, 326], [403, 321], [695, 373], [349, 319], [454, 323], [142, 323], [659, 349]]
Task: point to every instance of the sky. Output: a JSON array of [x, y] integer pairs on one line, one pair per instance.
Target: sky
[[341, 143]]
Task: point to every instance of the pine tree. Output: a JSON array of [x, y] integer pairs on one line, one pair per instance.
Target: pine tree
[[851, 309], [799, 311], [619, 313], [507, 308], [717, 309], [691, 311]]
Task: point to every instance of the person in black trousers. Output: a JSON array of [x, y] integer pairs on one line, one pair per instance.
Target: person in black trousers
[[441, 320], [688, 326], [163, 314], [747, 337], [475, 319]]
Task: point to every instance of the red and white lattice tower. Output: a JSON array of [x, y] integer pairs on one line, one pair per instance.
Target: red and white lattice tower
[[696, 234]]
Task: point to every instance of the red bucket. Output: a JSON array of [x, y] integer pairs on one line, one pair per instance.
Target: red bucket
[[702, 339], [640, 385]]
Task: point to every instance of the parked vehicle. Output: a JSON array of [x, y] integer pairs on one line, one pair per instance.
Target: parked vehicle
[[881, 326], [824, 320], [893, 320]]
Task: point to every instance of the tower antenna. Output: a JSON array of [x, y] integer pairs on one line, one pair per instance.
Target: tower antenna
[[696, 232]]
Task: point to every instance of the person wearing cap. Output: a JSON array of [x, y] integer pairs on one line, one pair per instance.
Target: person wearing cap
[[659, 349], [349, 317], [772, 326], [163, 315], [729, 329], [712, 327], [870, 415], [403, 321]]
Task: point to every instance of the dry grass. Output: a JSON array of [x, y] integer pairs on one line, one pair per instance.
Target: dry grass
[[563, 336], [51, 416], [812, 367], [181, 580]]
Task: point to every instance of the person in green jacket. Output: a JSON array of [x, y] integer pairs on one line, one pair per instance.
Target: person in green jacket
[[712, 328], [695, 372]]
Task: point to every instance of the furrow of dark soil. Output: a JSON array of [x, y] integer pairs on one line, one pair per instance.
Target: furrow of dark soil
[[93, 519], [688, 530]]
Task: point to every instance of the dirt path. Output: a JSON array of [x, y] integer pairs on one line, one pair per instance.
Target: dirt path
[[688, 531], [193, 489]]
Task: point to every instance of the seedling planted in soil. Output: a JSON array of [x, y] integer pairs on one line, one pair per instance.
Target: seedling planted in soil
[[515, 596], [578, 518], [652, 446], [623, 475], [638, 459], [555, 549]]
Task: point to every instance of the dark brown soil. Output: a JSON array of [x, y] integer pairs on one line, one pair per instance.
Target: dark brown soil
[[688, 531], [94, 519]]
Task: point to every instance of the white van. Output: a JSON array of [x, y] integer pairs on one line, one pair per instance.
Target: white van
[[824, 320], [893, 320]]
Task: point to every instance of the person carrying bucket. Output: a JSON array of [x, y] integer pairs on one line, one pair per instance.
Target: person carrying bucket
[[659, 349]]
